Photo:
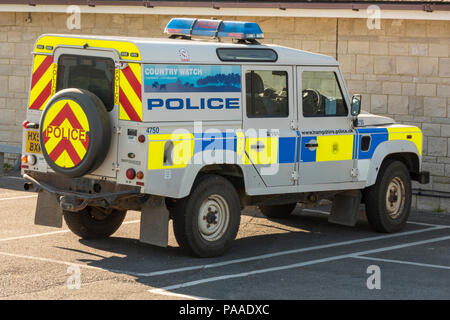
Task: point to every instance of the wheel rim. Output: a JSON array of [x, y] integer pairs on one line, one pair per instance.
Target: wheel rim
[[213, 218], [395, 197]]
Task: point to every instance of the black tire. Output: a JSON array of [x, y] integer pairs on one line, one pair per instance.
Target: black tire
[[170, 205], [94, 222], [393, 185], [98, 138], [189, 214], [278, 211]]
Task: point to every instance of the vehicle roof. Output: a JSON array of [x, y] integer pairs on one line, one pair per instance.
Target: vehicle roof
[[164, 50]]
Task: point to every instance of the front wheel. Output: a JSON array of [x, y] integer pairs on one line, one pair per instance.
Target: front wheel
[[388, 201], [94, 222], [206, 222]]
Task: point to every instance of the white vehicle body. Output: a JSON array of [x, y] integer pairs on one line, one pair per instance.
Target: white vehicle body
[[191, 126]]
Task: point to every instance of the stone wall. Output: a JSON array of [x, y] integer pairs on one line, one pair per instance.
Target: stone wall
[[402, 69]]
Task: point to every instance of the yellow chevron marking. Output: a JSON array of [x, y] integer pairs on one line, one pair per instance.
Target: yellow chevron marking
[[131, 96]]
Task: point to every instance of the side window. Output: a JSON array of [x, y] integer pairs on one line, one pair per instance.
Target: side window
[[321, 95], [94, 74], [267, 94]]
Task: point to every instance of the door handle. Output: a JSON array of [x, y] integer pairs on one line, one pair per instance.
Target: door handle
[[258, 146], [311, 145]]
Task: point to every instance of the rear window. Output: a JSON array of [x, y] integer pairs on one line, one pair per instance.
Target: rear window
[[245, 54], [95, 74]]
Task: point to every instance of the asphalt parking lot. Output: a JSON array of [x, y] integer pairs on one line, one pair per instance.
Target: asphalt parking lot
[[303, 257]]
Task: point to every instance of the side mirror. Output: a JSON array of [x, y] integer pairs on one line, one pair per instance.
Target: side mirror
[[356, 105]]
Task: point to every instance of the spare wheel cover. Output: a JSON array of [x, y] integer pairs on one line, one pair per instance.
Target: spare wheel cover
[[75, 132]]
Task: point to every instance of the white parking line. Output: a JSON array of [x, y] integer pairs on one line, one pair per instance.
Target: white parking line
[[401, 246], [317, 211], [213, 265], [19, 197], [58, 261], [404, 262], [287, 252], [51, 233], [35, 235], [50, 260], [433, 227], [410, 222], [297, 265], [427, 224], [179, 295], [14, 178]]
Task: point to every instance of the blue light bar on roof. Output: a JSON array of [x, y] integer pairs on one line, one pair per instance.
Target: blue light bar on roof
[[213, 28]]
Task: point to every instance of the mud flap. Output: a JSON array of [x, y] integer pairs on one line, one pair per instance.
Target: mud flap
[[344, 210], [155, 222], [48, 212]]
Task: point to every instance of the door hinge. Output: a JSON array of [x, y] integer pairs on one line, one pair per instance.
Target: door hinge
[[117, 130], [354, 172], [294, 125], [121, 65], [294, 176]]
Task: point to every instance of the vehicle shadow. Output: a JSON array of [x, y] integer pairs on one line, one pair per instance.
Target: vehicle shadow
[[141, 261]]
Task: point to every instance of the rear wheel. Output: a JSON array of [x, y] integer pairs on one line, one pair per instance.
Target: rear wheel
[[388, 201], [94, 222], [206, 222], [278, 211]]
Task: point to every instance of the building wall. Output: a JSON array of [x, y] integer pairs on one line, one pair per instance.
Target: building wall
[[402, 69]]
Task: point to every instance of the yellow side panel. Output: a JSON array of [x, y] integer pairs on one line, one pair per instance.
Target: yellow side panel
[[183, 150], [266, 155], [334, 148], [412, 134], [240, 147]]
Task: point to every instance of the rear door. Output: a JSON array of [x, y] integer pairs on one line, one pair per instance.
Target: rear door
[[327, 135], [95, 71], [270, 143]]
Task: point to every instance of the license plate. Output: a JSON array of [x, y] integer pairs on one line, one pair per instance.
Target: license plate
[[32, 142]]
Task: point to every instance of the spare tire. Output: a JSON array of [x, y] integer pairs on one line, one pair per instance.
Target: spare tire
[[75, 132]]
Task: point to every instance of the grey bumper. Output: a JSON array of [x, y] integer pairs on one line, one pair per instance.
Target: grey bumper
[[76, 201]]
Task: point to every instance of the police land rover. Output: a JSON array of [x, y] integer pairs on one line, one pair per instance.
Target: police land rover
[[194, 131]]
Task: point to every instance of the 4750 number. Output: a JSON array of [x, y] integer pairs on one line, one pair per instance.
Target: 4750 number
[[153, 130]]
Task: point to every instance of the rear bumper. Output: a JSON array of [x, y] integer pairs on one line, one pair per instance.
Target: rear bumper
[[422, 177], [76, 201]]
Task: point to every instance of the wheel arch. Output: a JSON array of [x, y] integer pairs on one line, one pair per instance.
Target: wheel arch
[[411, 160], [232, 172], [405, 152]]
